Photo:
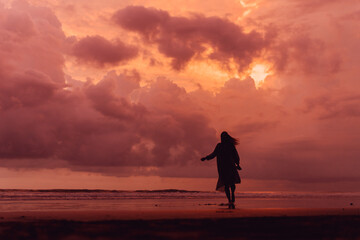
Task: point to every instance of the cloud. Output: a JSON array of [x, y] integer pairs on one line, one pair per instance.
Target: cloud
[[305, 54], [183, 39], [333, 106], [20, 24], [86, 126], [300, 125], [94, 126], [307, 161], [99, 51], [311, 6], [29, 31], [28, 89]]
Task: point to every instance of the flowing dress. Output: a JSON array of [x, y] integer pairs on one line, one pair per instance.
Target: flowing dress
[[226, 156]]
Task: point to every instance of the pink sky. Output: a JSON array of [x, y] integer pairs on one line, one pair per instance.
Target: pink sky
[[131, 94]]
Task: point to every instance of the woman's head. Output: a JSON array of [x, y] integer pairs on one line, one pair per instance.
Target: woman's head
[[226, 138]]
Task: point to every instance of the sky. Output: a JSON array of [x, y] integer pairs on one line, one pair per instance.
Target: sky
[[131, 94]]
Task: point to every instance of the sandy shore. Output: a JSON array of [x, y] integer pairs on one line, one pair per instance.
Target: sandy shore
[[189, 224], [221, 212]]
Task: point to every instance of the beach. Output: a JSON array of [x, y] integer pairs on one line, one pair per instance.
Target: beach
[[176, 214], [220, 223]]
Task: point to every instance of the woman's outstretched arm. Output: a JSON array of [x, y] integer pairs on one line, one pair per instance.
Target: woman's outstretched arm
[[211, 155]]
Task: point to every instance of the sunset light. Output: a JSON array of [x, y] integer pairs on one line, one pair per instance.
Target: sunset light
[[142, 89], [259, 73], [118, 115]]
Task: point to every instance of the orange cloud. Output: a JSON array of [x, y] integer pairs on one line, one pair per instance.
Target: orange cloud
[[181, 38], [99, 51]]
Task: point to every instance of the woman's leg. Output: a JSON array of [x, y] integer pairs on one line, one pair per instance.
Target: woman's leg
[[233, 193], [227, 192]]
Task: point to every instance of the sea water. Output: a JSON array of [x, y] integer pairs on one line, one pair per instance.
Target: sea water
[[59, 200]]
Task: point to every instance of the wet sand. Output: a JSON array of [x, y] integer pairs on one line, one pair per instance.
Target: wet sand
[[221, 223]]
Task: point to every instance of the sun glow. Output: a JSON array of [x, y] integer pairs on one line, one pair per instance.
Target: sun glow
[[259, 72], [249, 6]]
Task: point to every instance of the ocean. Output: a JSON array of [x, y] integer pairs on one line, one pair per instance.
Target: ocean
[[61, 200]]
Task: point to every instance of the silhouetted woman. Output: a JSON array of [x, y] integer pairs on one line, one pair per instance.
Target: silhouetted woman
[[227, 165]]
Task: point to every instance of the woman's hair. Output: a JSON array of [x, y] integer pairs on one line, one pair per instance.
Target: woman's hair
[[226, 138]]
